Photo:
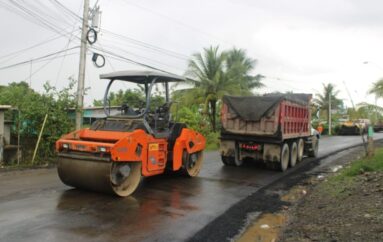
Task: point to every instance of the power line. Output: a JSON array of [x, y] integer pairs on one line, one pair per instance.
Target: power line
[[15, 53], [33, 16], [36, 59], [70, 12], [47, 63], [111, 54], [41, 9], [43, 22], [142, 57], [62, 61], [147, 45], [175, 21]]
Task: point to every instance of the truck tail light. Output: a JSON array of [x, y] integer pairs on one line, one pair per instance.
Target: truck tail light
[[252, 147]]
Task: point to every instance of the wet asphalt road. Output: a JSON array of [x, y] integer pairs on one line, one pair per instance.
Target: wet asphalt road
[[36, 206]]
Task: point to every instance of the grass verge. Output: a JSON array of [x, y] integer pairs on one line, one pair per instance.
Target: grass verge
[[340, 184]]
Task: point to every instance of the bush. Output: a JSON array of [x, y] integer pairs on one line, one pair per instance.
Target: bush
[[33, 107], [194, 119], [212, 141]]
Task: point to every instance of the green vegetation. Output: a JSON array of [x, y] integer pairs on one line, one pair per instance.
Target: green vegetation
[[377, 89], [365, 165], [339, 184], [323, 100], [213, 74], [134, 97], [33, 107]]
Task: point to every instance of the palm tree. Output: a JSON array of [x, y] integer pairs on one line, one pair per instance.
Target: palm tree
[[322, 100], [214, 74], [377, 89], [239, 67], [208, 79]]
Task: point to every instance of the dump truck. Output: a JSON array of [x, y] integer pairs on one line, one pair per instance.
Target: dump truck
[[378, 126], [356, 127], [273, 128], [116, 152]]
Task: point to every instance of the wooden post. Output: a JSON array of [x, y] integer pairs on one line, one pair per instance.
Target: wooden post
[[38, 140], [370, 142]]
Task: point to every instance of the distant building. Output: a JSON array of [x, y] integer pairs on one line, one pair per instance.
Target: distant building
[[91, 114]]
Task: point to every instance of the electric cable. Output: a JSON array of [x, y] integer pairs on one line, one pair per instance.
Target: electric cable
[[143, 57], [33, 17], [62, 6], [146, 45], [110, 53], [36, 59], [47, 63], [176, 21]]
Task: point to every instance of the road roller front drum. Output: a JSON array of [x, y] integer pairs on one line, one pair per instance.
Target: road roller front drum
[[119, 178]]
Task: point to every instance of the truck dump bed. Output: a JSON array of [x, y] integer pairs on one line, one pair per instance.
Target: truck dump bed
[[272, 116]]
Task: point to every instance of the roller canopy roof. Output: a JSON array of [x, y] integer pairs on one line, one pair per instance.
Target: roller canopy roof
[[142, 77]]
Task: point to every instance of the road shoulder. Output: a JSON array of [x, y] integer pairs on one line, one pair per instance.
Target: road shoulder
[[264, 219]]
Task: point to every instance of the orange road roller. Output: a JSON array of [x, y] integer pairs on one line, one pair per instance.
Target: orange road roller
[[134, 141]]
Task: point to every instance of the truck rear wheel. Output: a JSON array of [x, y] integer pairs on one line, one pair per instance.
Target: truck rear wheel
[[313, 152], [232, 160], [301, 148], [293, 154], [237, 161], [285, 156], [227, 160]]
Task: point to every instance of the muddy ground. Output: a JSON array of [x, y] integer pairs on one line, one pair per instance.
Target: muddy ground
[[306, 207], [352, 211]]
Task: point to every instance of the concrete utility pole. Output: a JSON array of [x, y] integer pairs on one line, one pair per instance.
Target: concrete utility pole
[[81, 71], [329, 113]]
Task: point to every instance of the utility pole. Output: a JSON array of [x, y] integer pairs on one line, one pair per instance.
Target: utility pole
[[81, 71], [329, 113]]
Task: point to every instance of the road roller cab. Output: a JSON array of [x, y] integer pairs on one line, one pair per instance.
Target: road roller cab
[[117, 151]]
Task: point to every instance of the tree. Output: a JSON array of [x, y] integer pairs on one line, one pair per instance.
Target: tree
[[322, 99], [214, 74], [377, 89], [132, 97], [239, 67], [209, 82], [33, 107]]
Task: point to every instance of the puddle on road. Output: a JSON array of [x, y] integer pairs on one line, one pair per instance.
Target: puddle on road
[[267, 227], [295, 194]]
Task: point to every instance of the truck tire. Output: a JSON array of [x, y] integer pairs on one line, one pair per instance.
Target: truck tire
[[301, 148], [313, 152], [285, 157], [227, 160], [236, 160], [293, 154]]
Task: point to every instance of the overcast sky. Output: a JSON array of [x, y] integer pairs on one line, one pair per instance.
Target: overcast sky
[[298, 44]]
